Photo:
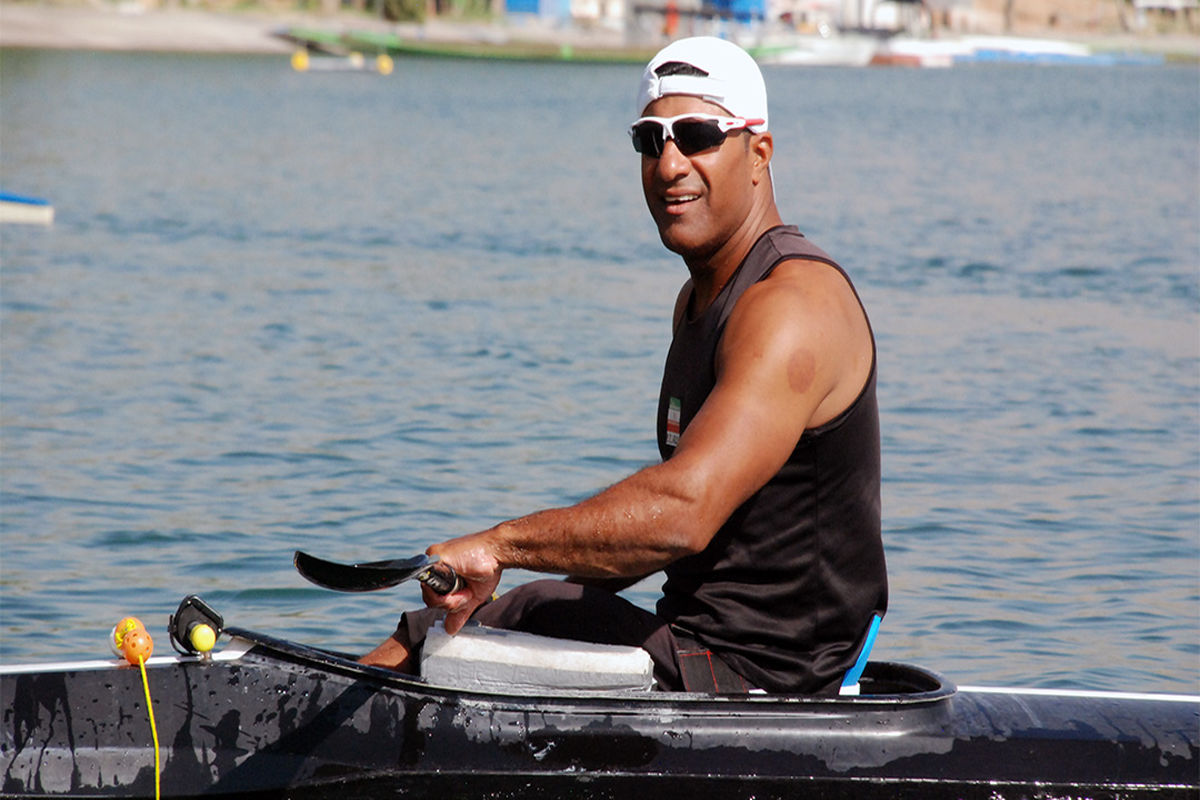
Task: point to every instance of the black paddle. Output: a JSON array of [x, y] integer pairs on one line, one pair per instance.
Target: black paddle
[[373, 575]]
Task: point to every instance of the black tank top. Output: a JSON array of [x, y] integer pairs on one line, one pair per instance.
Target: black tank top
[[786, 589]]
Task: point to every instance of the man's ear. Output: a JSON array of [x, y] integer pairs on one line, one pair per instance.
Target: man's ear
[[762, 147]]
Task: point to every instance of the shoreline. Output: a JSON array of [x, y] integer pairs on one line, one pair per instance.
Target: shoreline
[[132, 28]]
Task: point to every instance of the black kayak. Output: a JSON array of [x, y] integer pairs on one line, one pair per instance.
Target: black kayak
[[263, 717]]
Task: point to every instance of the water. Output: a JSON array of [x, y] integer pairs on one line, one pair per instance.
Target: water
[[357, 315]]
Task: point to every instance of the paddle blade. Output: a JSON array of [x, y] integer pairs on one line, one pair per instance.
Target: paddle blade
[[359, 577], [373, 575]]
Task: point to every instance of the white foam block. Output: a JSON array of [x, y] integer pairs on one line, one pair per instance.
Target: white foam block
[[489, 659]]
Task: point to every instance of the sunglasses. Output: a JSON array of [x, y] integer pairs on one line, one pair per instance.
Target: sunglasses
[[692, 133]]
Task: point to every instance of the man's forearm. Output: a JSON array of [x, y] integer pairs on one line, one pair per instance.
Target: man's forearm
[[629, 530]]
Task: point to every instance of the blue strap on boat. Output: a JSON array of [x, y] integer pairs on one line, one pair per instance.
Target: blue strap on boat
[[9, 197], [855, 672]]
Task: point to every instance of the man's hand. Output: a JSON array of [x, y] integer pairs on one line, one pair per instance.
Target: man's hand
[[472, 558]]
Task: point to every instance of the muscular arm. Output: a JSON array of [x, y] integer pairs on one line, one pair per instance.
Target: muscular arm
[[795, 353]]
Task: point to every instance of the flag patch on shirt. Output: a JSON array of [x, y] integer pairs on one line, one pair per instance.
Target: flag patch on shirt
[[674, 408]]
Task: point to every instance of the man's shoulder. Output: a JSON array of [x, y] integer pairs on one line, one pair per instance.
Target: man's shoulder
[[805, 283], [808, 310], [800, 302]]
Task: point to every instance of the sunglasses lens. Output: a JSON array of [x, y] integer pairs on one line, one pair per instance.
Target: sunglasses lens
[[693, 136], [648, 138]]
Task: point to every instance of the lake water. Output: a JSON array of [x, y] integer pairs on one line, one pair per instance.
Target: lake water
[[357, 314]]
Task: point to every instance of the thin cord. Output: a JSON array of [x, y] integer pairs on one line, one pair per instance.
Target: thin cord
[[153, 727]]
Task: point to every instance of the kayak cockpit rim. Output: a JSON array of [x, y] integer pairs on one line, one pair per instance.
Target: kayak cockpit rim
[[883, 683]]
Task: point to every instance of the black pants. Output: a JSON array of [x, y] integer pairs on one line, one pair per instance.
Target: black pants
[[585, 613]]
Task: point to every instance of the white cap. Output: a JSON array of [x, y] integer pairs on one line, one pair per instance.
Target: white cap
[[730, 78]]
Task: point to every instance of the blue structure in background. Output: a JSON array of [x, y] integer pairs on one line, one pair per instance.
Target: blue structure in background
[[550, 9], [741, 10]]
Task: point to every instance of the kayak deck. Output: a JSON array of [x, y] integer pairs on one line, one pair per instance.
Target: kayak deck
[[276, 718]]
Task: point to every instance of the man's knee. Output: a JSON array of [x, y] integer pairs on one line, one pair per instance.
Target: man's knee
[[545, 590]]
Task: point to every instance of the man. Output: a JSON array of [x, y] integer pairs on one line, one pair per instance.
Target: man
[[764, 512]]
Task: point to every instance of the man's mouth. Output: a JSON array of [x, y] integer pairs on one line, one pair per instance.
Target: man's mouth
[[677, 204]]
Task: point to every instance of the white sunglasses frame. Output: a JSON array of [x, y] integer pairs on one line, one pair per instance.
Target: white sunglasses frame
[[725, 124]]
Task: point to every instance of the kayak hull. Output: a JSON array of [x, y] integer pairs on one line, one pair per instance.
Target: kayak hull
[[281, 719]]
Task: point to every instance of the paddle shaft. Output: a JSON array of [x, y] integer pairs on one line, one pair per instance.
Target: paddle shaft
[[440, 578]]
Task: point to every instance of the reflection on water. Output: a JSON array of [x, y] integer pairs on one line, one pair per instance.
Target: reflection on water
[[356, 315]]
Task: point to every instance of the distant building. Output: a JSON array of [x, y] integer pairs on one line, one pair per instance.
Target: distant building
[[687, 17]]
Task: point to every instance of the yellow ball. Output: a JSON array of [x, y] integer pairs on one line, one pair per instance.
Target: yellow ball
[[203, 638]]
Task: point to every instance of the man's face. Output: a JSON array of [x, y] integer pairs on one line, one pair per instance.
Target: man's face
[[698, 201]]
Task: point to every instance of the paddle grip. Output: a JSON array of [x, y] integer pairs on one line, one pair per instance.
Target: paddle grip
[[441, 578]]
